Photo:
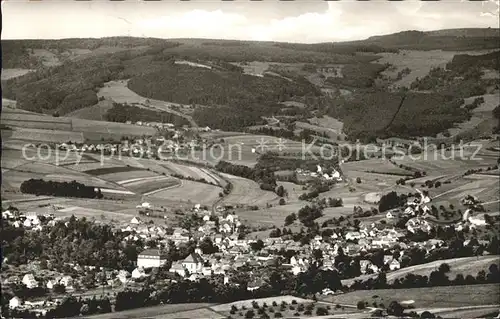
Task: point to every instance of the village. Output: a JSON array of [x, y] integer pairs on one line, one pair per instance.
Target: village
[[220, 248]]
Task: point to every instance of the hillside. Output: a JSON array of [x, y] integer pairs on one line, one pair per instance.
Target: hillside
[[233, 85]]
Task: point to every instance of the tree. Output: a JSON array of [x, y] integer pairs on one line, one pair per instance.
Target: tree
[[290, 219], [282, 201], [249, 314], [321, 311], [361, 305], [258, 245], [280, 191], [395, 309], [444, 268], [358, 180], [427, 314], [207, 246], [59, 289]]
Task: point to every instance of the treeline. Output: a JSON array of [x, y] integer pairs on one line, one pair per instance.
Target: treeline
[[317, 188], [360, 75], [338, 48], [264, 177], [274, 162], [463, 62], [63, 189], [125, 112]]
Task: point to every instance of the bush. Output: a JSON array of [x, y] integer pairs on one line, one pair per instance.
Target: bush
[[249, 314], [321, 311], [278, 315], [361, 305]]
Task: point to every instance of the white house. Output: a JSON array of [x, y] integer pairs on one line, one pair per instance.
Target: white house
[[151, 258], [193, 263], [15, 302], [394, 264], [135, 221], [66, 281], [29, 281], [138, 273]]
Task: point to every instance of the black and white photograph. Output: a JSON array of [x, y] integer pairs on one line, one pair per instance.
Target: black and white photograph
[[243, 159]]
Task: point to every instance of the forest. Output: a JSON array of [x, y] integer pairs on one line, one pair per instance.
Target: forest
[[63, 189], [125, 112]]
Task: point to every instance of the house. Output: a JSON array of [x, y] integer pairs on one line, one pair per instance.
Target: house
[[353, 235], [394, 264], [178, 268], [123, 276], [138, 273], [15, 302], [50, 284], [193, 263], [30, 281], [135, 221], [255, 284], [151, 258], [66, 281]]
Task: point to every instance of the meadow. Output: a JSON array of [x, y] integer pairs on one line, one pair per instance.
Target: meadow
[[189, 191], [247, 192], [472, 295]]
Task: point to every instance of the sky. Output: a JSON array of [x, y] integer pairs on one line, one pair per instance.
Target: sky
[[305, 21]]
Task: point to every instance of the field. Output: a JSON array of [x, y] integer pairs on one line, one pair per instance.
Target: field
[[131, 175], [419, 62], [442, 162], [192, 172], [378, 165], [473, 295], [293, 190], [198, 193], [247, 192], [30, 126], [158, 312], [95, 112], [152, 184], [465, 266], [484, 187], [118, 92], [13, 73]]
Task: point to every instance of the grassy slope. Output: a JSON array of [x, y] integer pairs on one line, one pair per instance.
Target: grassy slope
[[425, 297]]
